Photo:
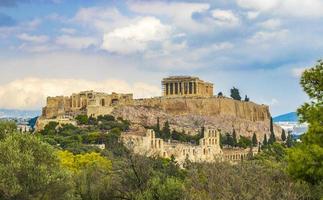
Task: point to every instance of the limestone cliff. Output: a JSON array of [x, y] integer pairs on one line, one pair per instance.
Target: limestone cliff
[[190, 114]]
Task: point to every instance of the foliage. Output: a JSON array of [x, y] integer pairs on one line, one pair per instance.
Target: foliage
[[29, 169], [305, 160], [272, 138], [289, 140], [254, 140], [247, 180], [6, 127], [265, 142], [246, 98], [82, 119], [283, 135], [235, 94], [244, 142], [220, 94], [168, 189], [50, 129], [91, 173], [79, 162]]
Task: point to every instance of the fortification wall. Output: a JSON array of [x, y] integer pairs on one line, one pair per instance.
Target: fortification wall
[[190, 114], [213, 106]]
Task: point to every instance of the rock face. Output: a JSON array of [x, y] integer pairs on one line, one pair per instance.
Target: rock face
[[190, 114]]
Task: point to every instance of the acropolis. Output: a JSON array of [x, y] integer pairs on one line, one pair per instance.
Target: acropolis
[[187, 102]]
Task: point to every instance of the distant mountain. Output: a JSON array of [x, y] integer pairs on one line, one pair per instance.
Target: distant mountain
[[12, 113], [288, 117]]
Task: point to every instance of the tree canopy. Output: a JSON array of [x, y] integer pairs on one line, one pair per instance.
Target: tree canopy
[[235, 94], [305, 160]]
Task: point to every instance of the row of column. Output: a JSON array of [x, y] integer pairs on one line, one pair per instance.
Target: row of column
[[180, 88], [77, 102]]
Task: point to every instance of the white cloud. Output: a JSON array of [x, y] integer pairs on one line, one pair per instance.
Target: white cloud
[[136, 37], [102, 19], [225, 17], [263, 5], [180, 14], [268, 36], [294, 8], [75, 42], [31, 93], [271, 24], [33, 38]]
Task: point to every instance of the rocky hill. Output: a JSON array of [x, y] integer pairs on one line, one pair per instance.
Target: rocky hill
[[190, 114]]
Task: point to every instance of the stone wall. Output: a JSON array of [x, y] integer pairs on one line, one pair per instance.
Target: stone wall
[[213, 106], [87, 102], [208, 150], [190, 114]]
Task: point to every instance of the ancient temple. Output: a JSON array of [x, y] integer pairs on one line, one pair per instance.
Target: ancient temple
[[186, 86]]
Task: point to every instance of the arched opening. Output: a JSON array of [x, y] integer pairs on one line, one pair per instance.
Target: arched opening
[[114, 101], [102, 102]]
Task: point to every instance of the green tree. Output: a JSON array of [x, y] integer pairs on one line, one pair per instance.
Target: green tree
[[272, 138], [283, 136], [50, 129], [235, 94], [169, 188], [265, 142], [166, 132], [91, 173], [271, 125], [289, 140], [30, 169], [305, 160], [220, 94], [6, 127], [244, 142], [254, 140], [158, 125], [246, 98], [82, 119]]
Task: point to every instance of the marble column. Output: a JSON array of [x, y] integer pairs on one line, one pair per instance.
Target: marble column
[[167, 89]]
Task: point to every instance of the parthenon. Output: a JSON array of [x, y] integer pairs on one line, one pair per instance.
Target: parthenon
[[186, 86]]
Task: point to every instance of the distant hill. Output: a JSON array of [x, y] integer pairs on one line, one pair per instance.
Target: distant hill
[[288, 117], [12, 113]]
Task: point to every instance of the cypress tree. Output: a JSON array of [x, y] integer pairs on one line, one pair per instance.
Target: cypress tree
[[271, 125], [283, 136], [166, 131], [289, 141], [272, 138], [254, 140], [265, 142], [158, 125]]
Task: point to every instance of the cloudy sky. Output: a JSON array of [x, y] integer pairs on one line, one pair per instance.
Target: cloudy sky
[[55, 47]]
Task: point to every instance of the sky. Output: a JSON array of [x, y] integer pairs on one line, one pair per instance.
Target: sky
[[57, 47]]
